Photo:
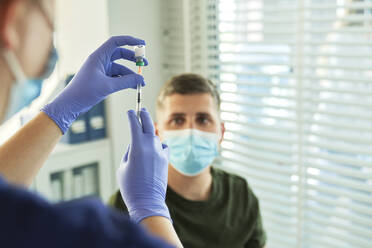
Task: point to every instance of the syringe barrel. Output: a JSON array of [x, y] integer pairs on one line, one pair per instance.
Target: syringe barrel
[[138, 104]]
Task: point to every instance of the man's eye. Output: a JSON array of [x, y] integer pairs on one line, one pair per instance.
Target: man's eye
[[178, 121], [203, 120]]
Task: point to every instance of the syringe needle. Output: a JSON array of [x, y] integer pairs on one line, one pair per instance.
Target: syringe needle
[[138, 105]]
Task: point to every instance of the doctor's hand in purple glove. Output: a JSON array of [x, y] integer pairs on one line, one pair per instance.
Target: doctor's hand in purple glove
[[99, 77], [143, 174]]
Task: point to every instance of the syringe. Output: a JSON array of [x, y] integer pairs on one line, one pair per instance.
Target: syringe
[[139, 54], [139, 93]]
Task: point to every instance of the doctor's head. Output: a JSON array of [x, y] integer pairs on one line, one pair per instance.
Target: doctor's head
[[26, 35], [188, 121]]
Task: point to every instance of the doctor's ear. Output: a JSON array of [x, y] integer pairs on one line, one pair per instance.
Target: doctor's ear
[[12, 13]]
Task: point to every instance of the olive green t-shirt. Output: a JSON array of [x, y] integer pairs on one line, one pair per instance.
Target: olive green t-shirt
[[229, 218]]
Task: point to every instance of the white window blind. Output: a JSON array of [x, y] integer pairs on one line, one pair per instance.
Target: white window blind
[[295, 78], [296, 88], [184, 37]]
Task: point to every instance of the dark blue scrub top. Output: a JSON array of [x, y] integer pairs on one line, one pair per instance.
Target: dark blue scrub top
[[27, 220]]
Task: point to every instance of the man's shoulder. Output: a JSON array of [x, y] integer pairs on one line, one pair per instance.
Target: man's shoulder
[[115, 198], [117, 202], [237, 187], [237, 194], [232, 179]]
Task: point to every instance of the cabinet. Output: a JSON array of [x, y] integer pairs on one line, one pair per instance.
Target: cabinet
[[74, 171]]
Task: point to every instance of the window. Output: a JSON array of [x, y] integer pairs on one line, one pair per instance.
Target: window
[[296, 86], [184, 39]]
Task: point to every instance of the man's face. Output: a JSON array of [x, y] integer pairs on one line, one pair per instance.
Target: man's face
[[195, 111]]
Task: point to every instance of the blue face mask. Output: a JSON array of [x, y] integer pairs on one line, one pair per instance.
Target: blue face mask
[[25, 90], [191, 150]]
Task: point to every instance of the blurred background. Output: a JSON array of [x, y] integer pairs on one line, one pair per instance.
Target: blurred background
[[295, 77]]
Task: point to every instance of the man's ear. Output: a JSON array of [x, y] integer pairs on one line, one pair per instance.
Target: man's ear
[[12, 13], [156, 128], [223, 129]]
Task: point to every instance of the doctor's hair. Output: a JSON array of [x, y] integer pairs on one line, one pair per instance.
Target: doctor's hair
[[4, 7], [188, 84]]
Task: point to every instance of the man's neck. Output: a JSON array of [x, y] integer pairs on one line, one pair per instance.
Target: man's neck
[[197, 188]]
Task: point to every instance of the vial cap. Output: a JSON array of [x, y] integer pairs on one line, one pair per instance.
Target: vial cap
[[140, 63]]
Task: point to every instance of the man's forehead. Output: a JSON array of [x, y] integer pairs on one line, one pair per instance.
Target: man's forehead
[[178, 103], [184, 113]]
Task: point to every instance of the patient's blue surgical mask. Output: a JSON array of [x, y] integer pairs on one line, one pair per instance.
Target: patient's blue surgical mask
[[24, 90], [191, 150]]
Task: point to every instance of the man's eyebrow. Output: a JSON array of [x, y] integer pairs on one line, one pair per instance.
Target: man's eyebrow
[[177, 114], [203, 113]]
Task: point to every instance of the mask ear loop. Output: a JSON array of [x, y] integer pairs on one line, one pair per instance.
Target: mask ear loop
[[14, 66]]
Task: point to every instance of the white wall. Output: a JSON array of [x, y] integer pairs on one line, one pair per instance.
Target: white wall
[[80, 34], [140, 18], [82, 26]]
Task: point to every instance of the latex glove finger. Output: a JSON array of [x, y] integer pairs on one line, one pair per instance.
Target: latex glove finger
[[125, 82], [119, 70], [135, 127], [147, 123], [166, 150], [118, 41], [125, 158], [123, 53]]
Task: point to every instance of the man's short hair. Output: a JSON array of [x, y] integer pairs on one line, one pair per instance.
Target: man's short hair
[[188, 84]]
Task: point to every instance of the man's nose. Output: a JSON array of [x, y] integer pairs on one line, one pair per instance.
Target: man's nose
[[190, 124]]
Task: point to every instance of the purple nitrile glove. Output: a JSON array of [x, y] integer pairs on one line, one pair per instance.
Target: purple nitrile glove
[[143, 173], [99, 77]]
